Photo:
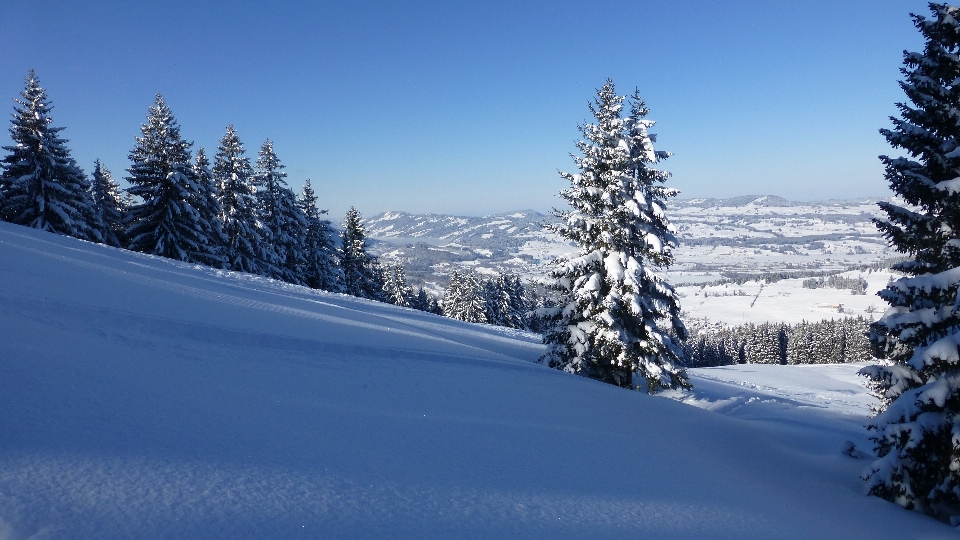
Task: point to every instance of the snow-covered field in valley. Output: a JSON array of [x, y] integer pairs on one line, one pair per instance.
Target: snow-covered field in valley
[[142, 398]]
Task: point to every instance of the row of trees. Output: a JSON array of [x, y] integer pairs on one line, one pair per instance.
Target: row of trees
[[857, 285], [823, 342], [501, 301], [232, 214]]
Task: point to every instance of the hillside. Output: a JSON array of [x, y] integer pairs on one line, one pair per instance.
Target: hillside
[[142, 398]]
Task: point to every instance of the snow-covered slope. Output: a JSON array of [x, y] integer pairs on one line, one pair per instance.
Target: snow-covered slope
[[142, 398]]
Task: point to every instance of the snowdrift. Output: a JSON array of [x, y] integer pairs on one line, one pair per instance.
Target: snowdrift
[[144, 398]]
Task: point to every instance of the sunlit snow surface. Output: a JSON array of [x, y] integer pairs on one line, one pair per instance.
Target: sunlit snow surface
[[143, 398]]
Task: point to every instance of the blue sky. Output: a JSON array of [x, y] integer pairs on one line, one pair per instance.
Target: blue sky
[[472, 107]]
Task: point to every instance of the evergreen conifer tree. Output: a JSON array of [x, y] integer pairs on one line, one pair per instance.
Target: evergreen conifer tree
[[452, 295], [617, 313], [497, 300], [465, 299], [281, 215], [208, 205], [475, 301], [917, 430], [395, 286], [421, 301], [166, 222], [858, 341], [109, 205], [518, 305], [321, 268], [361, 273], [41, 185], [246, 248]]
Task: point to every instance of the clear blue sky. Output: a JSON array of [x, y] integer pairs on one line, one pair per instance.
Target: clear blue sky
[[472, 107]]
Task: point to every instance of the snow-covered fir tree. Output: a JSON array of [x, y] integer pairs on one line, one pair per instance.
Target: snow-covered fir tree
[[800, 343], [281, 215], [917, 429], [497, 301], [361, 272], [41, 185], [395, 286], [246, 248], [166, 222], [617, 313], [452, 295], [321, 267], [465, 298], [856, 339], [763, 344], [109, 205], [208, 204], [425, 302], [505, 301], [517, 306]]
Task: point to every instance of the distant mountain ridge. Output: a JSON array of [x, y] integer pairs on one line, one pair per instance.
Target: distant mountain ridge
[[461, 230], [476, 231], [743, 200], [746, 233], [767, 201]]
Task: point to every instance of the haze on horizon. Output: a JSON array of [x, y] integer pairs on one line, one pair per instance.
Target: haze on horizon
[[472, 108]]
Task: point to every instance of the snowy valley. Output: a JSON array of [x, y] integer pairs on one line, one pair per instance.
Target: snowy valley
[[748, 239]]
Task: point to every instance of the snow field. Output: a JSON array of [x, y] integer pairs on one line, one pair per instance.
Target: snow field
[[783, 301], [144, 398]]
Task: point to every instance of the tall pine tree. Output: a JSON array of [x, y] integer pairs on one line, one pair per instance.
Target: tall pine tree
[[166, 222], [281, 215], [361, 272], [617, 313], [41, 185], [321, 267], [917, 430], [246, 248], [395, 286], [109, 205], [208, 204]]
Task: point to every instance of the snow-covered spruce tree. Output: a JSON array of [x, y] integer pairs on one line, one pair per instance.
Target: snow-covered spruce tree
[[166, 222], [518, 304], [616, 313], [421, 301], [857, 340], [246, 248], [505, 302], [281, 215], [917, 428], [395, 286], [497, 300], [465, 298], [361, 273], [109, 205], [452, 295], [208, 204], [41, 186], [321, 267]]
